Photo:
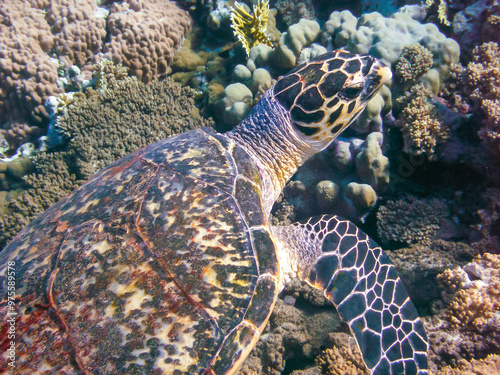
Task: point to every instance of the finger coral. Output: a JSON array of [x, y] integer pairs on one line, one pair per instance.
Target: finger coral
[[489, 365], [251, 28]]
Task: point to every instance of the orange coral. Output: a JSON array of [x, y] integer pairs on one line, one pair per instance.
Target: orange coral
[[478, 300], [489, 365]]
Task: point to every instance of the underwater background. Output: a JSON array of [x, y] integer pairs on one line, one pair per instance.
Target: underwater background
[[83, 83]]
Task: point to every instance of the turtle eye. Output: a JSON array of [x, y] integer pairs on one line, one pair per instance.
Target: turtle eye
[[351, 92]]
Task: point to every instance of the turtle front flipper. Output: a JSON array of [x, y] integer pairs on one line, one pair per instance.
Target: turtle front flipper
[[357, 276]]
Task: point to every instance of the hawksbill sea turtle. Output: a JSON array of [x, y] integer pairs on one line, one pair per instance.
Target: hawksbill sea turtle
[[165, 262]]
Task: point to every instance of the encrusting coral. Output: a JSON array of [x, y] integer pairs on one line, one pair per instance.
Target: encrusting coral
[[104, 125], [251, 29], [422, 130]]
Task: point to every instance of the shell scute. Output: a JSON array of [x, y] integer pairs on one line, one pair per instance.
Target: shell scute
[[149, 266], [197, 154], [249, 199]]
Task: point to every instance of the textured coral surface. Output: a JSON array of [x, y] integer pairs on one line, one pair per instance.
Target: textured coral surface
[[39, 36]]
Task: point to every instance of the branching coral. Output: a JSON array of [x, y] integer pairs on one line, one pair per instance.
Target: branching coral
[[414, 61], [410, 220], [478, 297], [481, 78], [422, 129], [251, 29], [489, 365], [346, 360], [441, 10]]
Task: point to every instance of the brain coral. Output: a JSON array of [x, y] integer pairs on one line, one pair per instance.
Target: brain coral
[[101, 127], [38, 36]]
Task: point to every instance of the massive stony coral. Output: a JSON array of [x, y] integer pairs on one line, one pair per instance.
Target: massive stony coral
[[144, 35], [39, 35]]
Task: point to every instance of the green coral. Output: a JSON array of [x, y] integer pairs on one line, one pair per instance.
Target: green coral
[[251, 28]]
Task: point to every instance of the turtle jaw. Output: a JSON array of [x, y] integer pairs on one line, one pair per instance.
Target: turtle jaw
[[379, 75]]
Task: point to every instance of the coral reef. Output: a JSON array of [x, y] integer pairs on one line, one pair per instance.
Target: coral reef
[[104, 125], [372, 166], [410, 220], [420, 124], [296, 332], [144, 36], [34, 32], [477, 22], [251, 29]]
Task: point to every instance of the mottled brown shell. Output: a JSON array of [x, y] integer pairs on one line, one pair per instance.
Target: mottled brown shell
[[161, 263]]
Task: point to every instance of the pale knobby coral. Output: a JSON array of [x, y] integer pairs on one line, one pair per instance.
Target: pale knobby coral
[[414, 61], [251, 28], [477, 301], [293, 41], [410, 220], [420, 125]]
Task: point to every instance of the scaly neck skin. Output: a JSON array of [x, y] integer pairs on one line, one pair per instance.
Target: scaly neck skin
[[268, 135]]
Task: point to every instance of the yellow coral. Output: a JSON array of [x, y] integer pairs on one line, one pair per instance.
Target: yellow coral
[[251, 29], [442, 11]]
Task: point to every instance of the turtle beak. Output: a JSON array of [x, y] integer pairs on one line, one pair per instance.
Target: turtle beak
[[379, 74]]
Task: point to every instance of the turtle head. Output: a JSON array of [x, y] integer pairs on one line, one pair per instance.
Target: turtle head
[[326, 94]]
